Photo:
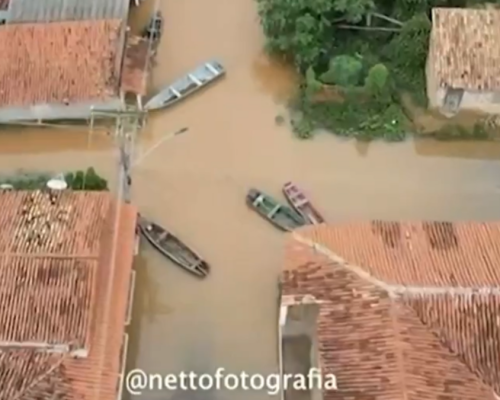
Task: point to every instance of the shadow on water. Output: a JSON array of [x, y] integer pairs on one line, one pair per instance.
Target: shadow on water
[[274, 77], [149, 292], [362, 148], [138, 310], [476, 150], [145, 308], [53, 140]]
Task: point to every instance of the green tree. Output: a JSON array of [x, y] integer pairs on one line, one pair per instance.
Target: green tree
[[354, 10], [302, 30], [312, 84], [408, 50], [344, 71], [376, 82]]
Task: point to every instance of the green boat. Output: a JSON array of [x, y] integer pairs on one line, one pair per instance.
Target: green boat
[[281, 216]]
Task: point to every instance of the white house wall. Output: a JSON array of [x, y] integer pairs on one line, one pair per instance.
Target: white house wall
[[487, 102]]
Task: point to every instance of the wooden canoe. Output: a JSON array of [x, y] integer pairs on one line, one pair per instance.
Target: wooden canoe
[[300, 203], [173, 248], [281, 216], [190, 83]]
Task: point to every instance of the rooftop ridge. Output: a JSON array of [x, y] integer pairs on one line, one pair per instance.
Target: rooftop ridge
[[43, 346], [339, 260], [51, 255], [398, 350], [41, 377], [395, 290]]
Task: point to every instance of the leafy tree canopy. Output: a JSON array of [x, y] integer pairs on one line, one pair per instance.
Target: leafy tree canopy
[[301, 30], [344, 71]]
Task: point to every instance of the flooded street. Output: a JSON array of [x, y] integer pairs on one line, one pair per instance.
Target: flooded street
[[195, 185]]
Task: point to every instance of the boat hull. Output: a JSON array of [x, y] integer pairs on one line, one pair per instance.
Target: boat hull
[[192, 82], [201, 269], [290, 220], [301, 204]]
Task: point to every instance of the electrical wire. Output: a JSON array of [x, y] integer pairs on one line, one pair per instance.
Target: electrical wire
[[122, 176]]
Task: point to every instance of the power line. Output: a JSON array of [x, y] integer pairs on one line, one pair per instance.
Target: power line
[[128, 122]]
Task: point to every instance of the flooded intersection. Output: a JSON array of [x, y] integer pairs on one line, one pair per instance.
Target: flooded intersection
[[195, 185]]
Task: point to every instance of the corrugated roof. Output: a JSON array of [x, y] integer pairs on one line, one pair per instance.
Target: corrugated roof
[[464, 46], [406, 309], [62, 62], [67, 10], [40, 375]]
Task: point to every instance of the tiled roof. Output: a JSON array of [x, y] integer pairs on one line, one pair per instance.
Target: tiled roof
[[56, 300], [89, 232], [61, 62], [136, 66], [20, 369], [407, 310], [64, 232], [464, 47]]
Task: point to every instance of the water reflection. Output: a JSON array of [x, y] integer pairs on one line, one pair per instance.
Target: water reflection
[[486, 150], [274, 77]]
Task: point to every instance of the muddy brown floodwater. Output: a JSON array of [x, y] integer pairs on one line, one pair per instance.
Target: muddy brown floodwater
[[195, 185]]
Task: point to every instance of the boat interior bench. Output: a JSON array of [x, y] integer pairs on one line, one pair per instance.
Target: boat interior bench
[[162, 236], [301, 202], [273, 212]]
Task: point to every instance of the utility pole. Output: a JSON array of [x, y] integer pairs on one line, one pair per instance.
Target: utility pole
[[128, 122]]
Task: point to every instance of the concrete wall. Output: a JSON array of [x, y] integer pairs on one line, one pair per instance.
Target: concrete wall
[[431, 84], [487, 101], [120, 52], [55, 111], [301, 321]]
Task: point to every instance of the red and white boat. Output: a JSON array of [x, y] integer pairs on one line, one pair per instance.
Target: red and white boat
[[299, 201]]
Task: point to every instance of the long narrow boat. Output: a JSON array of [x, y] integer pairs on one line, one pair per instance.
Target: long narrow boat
[[299, 201], [281, 216], [206, 73], [173, 248]]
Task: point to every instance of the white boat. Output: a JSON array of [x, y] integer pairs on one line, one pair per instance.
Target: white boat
[[190, 83]]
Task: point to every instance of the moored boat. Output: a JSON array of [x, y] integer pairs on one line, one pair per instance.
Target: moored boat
[[154, 29], [300, 203], [281, 216], [190, 83], [173, 248]]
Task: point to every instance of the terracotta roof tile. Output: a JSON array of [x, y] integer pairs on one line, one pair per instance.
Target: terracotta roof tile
[[59, 62], [390, 327], [426, 253], [136, 66], [19, 369], [46, 300], [464, 47], [65, 223], [40, 375]]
